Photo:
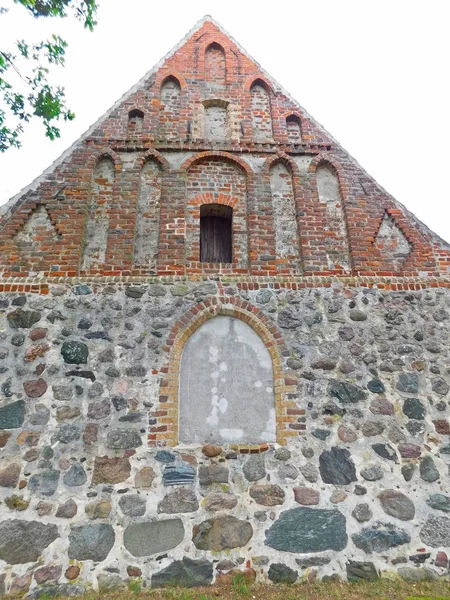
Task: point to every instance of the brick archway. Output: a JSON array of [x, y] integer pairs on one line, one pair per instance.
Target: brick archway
[[165, 432]]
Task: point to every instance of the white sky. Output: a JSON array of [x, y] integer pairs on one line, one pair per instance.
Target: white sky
[[375, 73]]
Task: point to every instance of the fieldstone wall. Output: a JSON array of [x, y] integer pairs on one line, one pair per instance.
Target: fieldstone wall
[[360, 490]]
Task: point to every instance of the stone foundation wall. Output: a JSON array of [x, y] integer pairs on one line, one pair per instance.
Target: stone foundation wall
[[360, 489]]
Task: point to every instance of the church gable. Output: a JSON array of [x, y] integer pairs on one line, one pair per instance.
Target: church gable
[[209, 98]]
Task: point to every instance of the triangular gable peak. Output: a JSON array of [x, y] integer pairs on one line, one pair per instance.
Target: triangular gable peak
[[208, 117]]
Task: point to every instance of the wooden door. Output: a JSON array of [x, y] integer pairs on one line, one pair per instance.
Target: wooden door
[[215, 239]]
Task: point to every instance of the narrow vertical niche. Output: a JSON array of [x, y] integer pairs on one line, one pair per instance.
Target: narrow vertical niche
[[285, 222], [216, 120], [261, 112], [99, 206], [336, 230], [293, 128], [147, 218], [215, 65], [135, 121], [169, 108]]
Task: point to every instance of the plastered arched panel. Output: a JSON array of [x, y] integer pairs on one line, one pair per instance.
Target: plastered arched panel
[[147, 220], [169, 114], [336, 241], [285, 222], [215, 66], [99, 207], [226, 385], [261, 113]]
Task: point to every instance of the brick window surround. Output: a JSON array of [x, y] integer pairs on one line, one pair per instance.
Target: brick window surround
[[289, 419]]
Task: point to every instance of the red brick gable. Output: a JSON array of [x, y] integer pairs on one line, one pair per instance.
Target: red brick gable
[[209, 119]]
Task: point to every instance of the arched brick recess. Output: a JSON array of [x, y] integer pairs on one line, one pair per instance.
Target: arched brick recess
[[211, 154], [117, 212], [335, 167], [165, 432], [213, 169], [165, 74], [257, 76], [209, 198], [151, 153], [292, 167]]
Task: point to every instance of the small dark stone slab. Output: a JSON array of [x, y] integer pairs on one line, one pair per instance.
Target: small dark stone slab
[[385, 451], [181, 500], [74, 353], [414, 409], [12, 415], [361, 571], [97, 335], [222, 533], [178, 474], [165, 457], [428, 470], [75, 476], [84, 374], [82, 290], [321, 434], [439, 502], [336, 467], [397, 505], [35, 388], [134, 292], [213, 473], [23, 319], [280, 573], [304, 530], [136, 371], [133, 505], [67, 433], [254, 468], [44, 483], [91, 542], [153, 537], [24, 541], [123, 439], [184, 573], [345, 392], [408, 382], [376, 387], [380, 537]]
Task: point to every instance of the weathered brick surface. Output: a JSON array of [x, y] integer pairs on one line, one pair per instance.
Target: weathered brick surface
[[99, 211]]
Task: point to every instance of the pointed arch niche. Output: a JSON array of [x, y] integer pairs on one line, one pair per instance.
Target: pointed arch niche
[[392, 244], [169, 113], [215, 65], [293, 129], [261, 112], [287, 243], [36, 239], [193, 391], [147, 218], [99, 207], [336, 242]]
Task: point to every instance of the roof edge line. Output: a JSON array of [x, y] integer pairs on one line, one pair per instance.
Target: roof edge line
[[5, 208]]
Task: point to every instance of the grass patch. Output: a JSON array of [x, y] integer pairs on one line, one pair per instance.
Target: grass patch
[[383, 589]]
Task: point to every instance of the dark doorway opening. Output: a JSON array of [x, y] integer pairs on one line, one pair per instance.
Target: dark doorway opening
[[216, 233]]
